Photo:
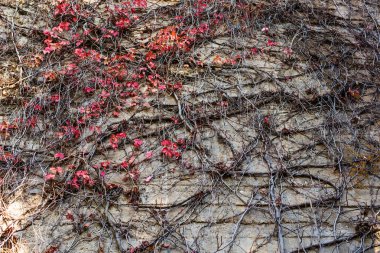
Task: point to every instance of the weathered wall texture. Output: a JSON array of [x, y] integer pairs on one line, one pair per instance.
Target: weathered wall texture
[[283, 157]]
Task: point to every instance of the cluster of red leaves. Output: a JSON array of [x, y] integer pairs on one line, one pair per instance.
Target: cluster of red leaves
[[69, 132], [123, 23], [113, 68], [90, 53], [6, 126], [115, 84], [53, 41], [354, 93], [53, 172], [170, 149], [111, 81], [66, 8], [168, 39], [114, 139], [93, 110], [8, 157], [81, 177], [59, 155], [123, 14], [201, 6], [7, 129], [140, 3], [226, 61], [132, 174], [137, 143]]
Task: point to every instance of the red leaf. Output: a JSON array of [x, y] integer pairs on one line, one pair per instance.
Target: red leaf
[[70, 216], [149, 154], [64, 26], [137, 143], [355, 93], [56, 170], [88, 89], [49, 177], [104, 94], [51, 249], [266, 120], [140, 3], [59, 155], [123, 23], [132, 159], [48, 50], [166, 143], [55, 98], [115, 114], [150, 56], [271, 43], [121, 135], [124, 164], [105, 164]]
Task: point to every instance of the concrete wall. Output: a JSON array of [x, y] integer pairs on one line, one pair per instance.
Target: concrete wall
[[293, 185]]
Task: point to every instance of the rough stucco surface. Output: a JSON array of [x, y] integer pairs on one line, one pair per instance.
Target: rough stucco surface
[[251, 182]]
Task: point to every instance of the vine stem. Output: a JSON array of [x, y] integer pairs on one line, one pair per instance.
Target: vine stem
[[277, 210]]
